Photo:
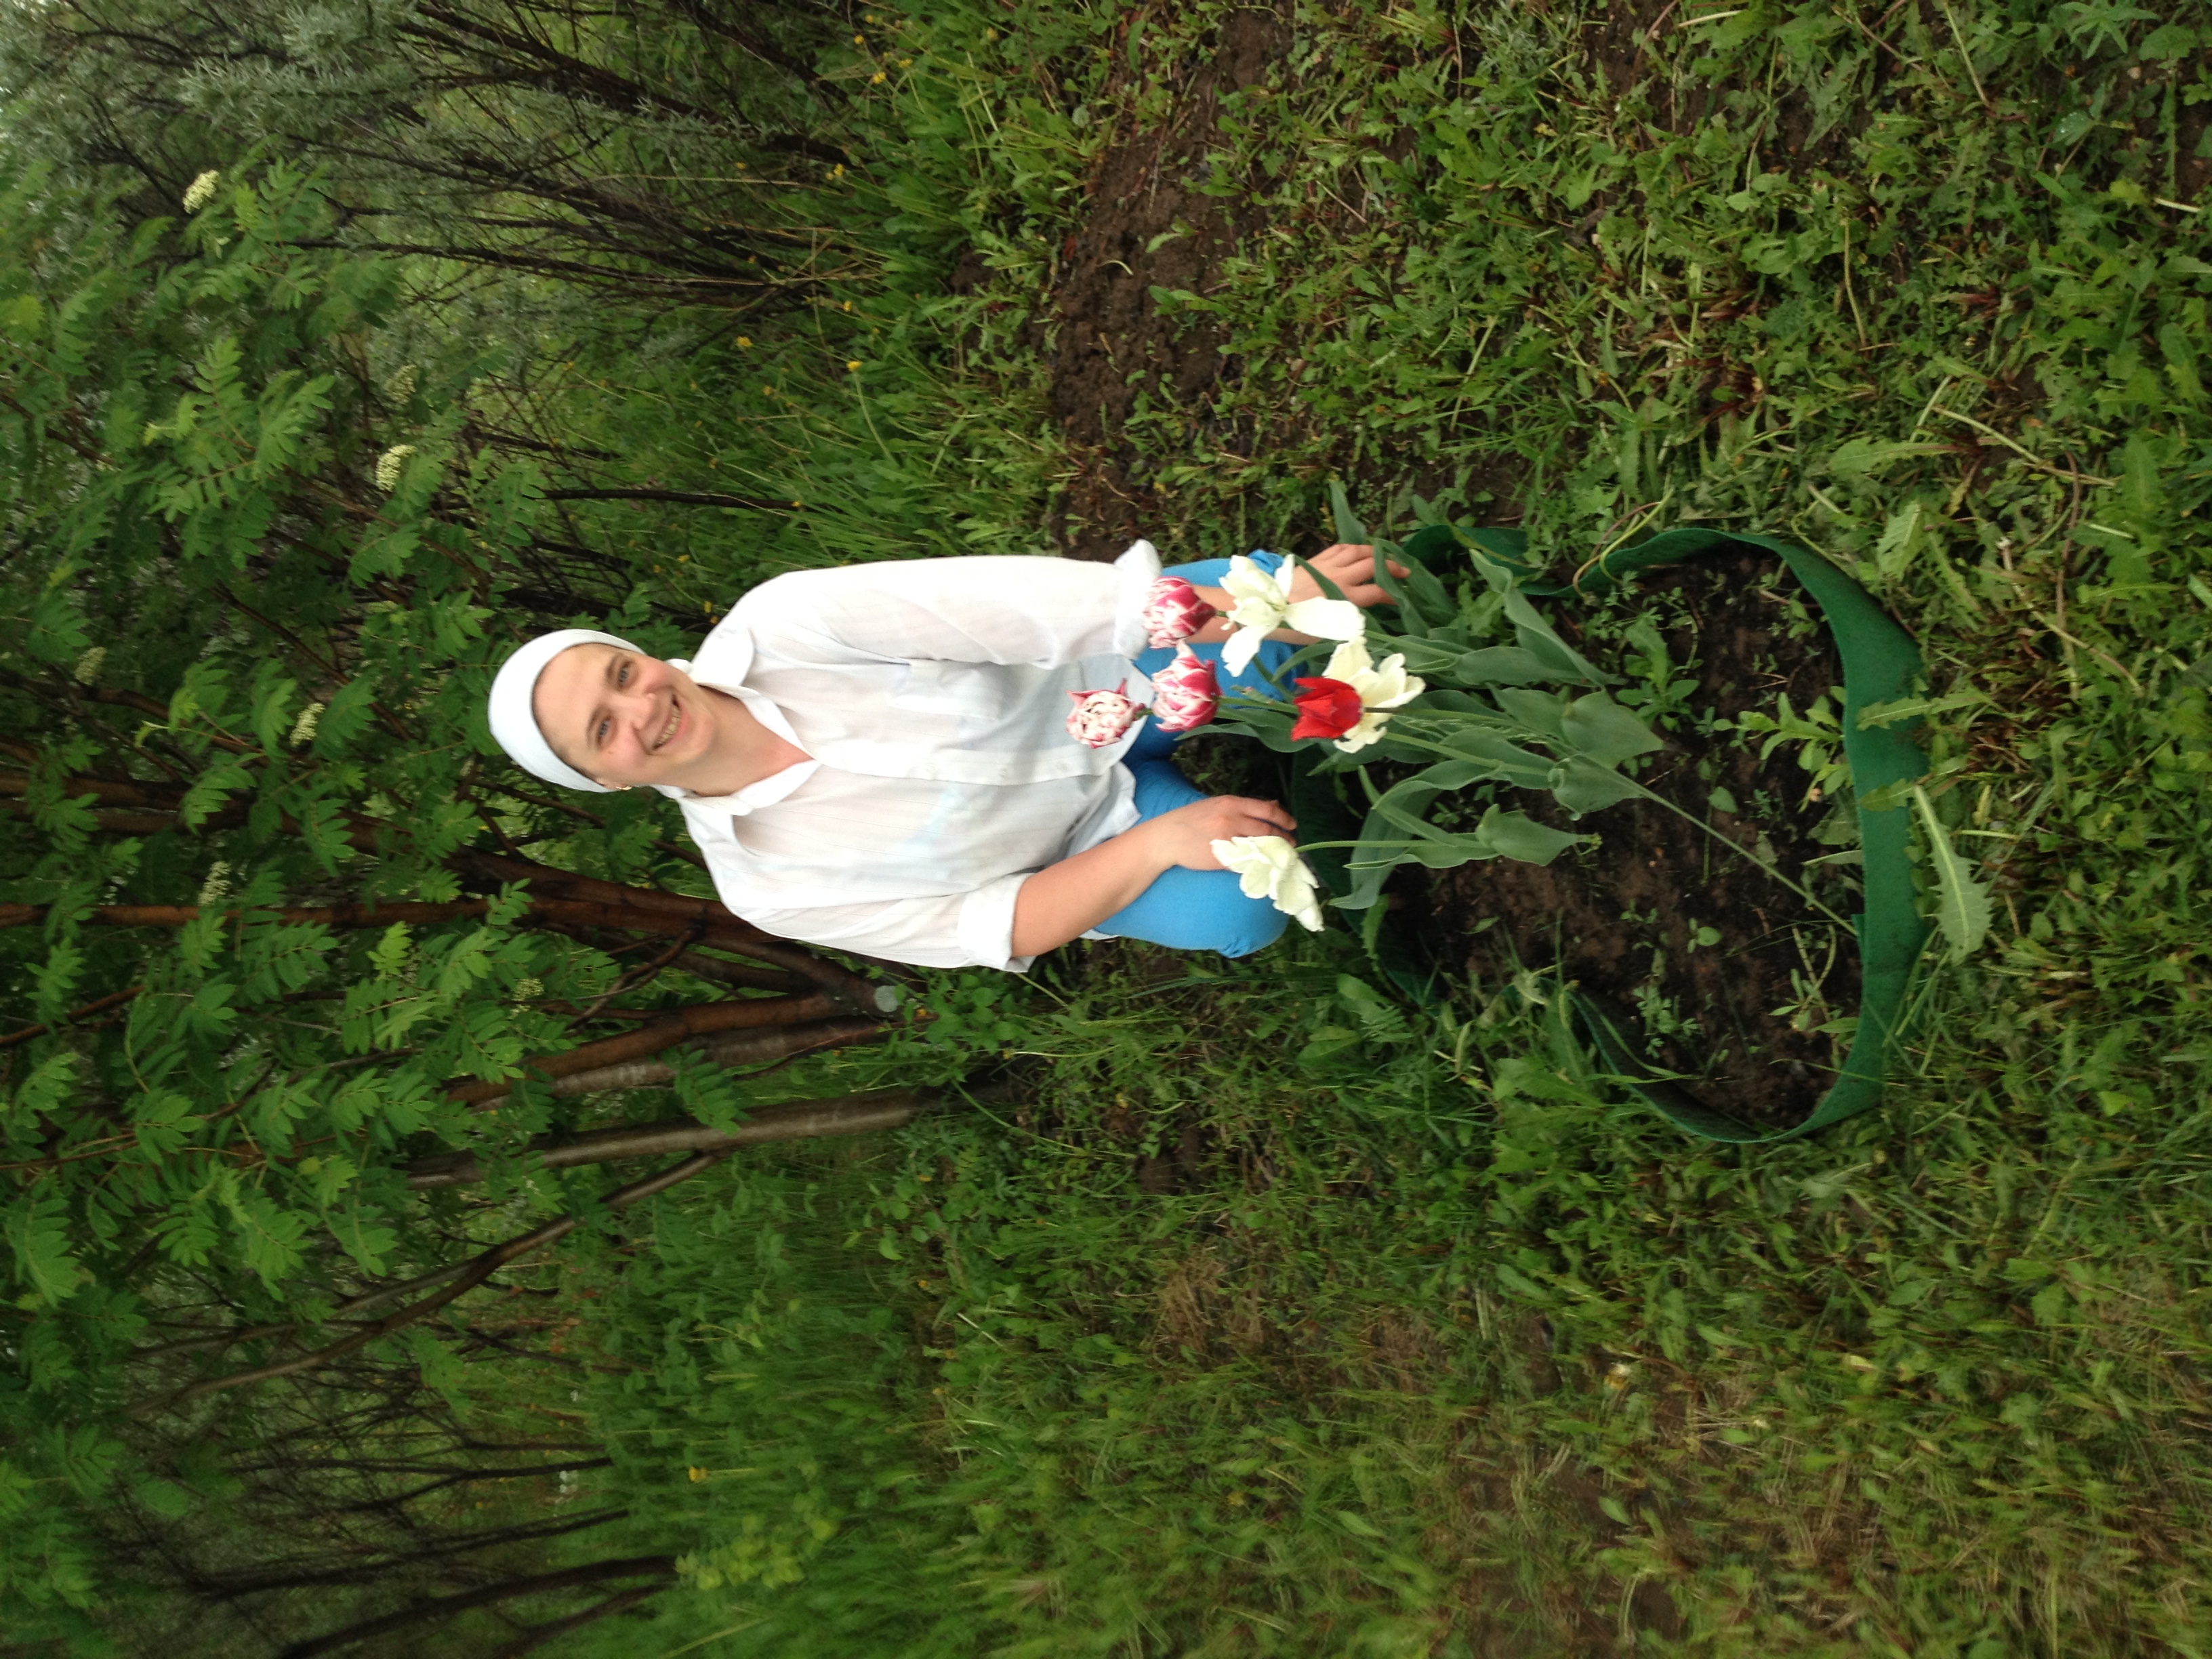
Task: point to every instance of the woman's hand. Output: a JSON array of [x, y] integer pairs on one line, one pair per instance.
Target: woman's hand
[[1186, 836], [1071, 897], [1351, 566]]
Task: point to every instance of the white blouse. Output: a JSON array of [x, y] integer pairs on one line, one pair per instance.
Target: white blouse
[[932, 696]]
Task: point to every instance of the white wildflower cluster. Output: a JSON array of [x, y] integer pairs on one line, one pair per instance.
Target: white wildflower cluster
[[89, 665], [202, 190], [388, 464], [401, 386], [526, 990], [303, 729], [217, 885]]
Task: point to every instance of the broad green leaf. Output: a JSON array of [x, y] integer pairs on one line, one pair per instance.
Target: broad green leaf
[[1586, 787], [1507, 762], [1605, 730], [1541, 641], [1518, 836], [1541, 712], [1504, 664]]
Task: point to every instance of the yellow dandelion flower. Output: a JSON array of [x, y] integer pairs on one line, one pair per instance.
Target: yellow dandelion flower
[[859, 39], [745, 340], [853, 366], [878, 78], [697, 1473]]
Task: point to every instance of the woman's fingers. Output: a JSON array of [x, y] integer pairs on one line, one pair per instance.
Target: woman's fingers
[[1254, 817], [1351, 566], [1222, 818]]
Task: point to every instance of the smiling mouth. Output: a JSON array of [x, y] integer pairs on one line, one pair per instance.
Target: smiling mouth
[[668, 732]]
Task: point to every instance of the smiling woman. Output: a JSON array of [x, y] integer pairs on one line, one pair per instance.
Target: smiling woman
[[878, 758]]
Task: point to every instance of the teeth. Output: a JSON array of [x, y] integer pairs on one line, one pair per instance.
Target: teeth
[[675, 715]]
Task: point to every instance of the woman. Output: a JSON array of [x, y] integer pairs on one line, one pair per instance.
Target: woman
[[876, 759]]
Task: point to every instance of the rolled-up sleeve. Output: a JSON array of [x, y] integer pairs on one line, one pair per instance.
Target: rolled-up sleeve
[[1043, 611], [952, 930]]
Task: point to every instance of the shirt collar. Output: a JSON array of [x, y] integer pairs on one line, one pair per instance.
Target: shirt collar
[[725, 656]]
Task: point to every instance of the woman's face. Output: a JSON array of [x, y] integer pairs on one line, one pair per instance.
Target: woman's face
[[621, 718]]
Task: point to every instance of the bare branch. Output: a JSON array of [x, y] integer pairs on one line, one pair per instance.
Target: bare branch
[[444, 1606], [797, 1120]]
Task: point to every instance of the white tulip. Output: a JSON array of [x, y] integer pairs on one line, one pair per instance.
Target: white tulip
[[1264, 605], [1269, 868]]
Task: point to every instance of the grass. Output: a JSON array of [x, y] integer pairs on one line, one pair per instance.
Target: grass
[[1292, 1320]]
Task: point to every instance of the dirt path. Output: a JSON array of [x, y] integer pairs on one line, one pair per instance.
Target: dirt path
[[1150, 225]]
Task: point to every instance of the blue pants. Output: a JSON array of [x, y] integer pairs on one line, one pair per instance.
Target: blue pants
[[1195, 909]]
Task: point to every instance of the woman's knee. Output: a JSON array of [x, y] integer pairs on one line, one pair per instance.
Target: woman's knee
[[1256, 930], [1199, 910]]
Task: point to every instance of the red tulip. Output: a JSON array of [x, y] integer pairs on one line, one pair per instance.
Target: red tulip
[[1327, 708]]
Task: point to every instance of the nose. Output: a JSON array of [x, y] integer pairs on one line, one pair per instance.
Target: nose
[[638, 701]]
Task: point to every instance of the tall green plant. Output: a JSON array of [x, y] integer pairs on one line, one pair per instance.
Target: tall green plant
[[270, 921]]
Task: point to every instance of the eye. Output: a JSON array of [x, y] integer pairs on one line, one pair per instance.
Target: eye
[[599, 732], [622, 674]]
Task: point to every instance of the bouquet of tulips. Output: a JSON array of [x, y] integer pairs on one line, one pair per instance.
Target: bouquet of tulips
[[1533, 714]]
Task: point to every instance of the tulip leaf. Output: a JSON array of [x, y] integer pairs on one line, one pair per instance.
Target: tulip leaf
[[1448, 852], [1503, 665], [1518, 836], [1418, 584], [1538, 639], [1348, 528], [1509, 762], [1587, 786], [1427, 657], [1606, 731], [1457, 775], [1541, 712]]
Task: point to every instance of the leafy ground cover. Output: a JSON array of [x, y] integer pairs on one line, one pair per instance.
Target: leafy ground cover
[[1350, 1326], [1261, 1310]]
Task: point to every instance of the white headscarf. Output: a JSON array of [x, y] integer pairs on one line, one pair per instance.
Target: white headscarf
[[515, 722]]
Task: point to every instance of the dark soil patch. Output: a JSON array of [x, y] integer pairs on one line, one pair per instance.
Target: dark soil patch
[[1623, 919], [1149, 226]]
